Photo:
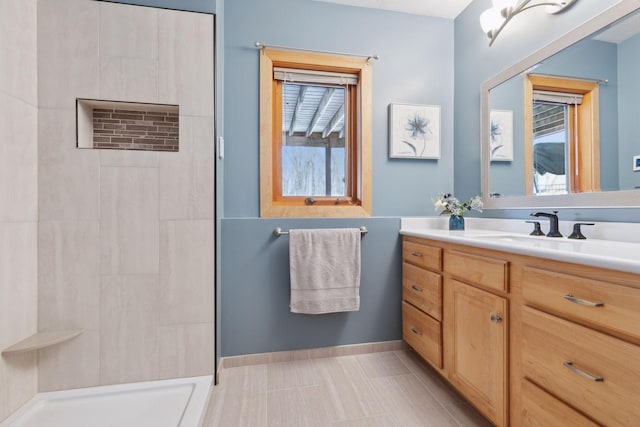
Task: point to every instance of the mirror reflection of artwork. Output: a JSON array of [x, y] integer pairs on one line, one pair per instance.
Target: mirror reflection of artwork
[[414, 131], [501, 138]]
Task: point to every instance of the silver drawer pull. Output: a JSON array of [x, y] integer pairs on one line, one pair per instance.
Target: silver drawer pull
[[583, 374], [496, 318], [415, 331], [573, 299], [415, 288], [418, 254]]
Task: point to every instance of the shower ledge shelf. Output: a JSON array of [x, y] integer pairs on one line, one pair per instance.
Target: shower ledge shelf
[[41, 340]]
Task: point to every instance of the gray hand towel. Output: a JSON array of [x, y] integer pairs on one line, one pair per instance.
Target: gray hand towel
[[325, 270]]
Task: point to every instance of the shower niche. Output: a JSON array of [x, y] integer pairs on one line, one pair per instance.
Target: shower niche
[[116, 125]]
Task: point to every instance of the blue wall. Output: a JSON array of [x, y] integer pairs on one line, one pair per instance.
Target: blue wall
[[629, 83], [255, 311], [476, 62], [416, 66], [507, 178]]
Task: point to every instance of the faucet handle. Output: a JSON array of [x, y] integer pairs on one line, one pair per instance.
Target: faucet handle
[[577, 233], [536, 228]]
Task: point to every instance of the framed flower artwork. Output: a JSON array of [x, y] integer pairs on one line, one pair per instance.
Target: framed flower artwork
[[414, 131], [501, 138]]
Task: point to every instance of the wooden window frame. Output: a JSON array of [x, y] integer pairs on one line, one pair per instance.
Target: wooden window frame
[[272, 203], [588, 156]]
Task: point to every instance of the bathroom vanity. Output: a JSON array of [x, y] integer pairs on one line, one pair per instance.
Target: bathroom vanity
[[540, 330], [531, 330]]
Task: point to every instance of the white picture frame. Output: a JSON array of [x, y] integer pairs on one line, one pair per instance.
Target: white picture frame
[[501, 136], [414, 131]]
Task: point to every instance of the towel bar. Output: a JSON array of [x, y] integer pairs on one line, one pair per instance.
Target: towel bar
[[279, 232]]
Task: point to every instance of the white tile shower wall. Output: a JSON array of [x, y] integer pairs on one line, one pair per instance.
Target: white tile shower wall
[[128, 37], [128, 31], [18, 53], [68, 178], [128, 76], [188, 195], [176, 359], [129, 158], [129, 328], [129, 220], [18, 312], [186, 269], [69, 275], [18, 199], [183, 62], [18, 160], [72, 365], [139, 223], [67, 52]]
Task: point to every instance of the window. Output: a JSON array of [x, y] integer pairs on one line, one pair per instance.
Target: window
[[315, 135], [562, 146]]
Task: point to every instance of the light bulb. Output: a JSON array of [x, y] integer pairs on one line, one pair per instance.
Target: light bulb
[[490, 20]]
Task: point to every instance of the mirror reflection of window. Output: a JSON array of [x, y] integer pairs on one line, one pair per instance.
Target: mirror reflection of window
[[563, 144], [550, 132]]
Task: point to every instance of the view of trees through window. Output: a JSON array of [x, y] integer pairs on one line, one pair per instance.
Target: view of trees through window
[[304, 171], [313, 141]]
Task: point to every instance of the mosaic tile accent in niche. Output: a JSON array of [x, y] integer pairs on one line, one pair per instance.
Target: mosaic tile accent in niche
[[135, 130]]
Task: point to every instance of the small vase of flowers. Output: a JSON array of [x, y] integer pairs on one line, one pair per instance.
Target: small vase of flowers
[[451, 206]]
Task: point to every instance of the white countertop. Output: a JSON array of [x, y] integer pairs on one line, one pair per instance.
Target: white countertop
[[512, 236]]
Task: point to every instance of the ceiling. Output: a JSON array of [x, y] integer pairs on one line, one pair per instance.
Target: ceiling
[[436, 8]]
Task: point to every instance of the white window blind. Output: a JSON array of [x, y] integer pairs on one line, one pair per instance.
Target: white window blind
[[311, 76], [557, 97]]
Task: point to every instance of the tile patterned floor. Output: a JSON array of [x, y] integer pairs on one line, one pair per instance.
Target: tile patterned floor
[[395, 389]]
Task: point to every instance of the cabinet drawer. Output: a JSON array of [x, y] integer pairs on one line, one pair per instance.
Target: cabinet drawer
[[595, 303], [489, 272], [593, 372], [423, 289], [422, 255], [422, 333], [540, 409]]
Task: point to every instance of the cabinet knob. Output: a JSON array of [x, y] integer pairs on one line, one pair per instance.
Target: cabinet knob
[[415, 288], [415, 331], [496, 318], [417, 254]]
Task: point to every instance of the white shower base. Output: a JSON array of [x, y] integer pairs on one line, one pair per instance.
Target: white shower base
[[169, 403]]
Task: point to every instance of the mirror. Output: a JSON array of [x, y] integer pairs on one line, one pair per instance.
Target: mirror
[[558, 127]]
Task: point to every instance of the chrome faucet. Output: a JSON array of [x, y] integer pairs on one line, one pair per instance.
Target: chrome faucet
[[553, 222]]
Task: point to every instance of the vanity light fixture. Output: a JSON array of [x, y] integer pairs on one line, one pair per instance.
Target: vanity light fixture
[[493, 20]]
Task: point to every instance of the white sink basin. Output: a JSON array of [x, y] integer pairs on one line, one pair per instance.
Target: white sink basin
[[534, 240], [506, 238]]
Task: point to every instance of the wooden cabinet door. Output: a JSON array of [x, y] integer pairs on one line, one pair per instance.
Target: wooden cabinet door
[[476, 340]]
